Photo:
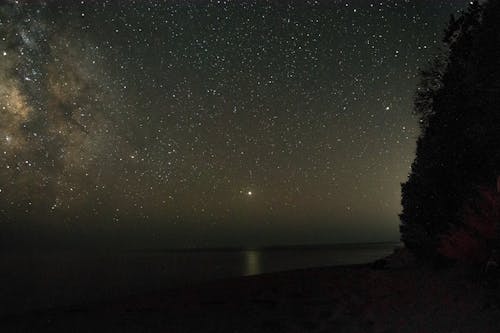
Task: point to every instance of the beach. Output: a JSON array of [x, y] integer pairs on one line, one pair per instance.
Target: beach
[[395, 296]]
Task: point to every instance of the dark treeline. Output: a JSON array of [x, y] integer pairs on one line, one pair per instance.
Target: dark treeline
[[458, 151]]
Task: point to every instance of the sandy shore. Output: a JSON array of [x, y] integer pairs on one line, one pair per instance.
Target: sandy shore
[[359, 298]]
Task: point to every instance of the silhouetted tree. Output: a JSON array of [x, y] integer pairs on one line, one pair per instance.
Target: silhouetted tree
[[473, 241], [458, 103]]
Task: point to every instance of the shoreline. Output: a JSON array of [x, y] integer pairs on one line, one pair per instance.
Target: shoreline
[[401, 297], [398, 296], [175, 290], [42, 281]]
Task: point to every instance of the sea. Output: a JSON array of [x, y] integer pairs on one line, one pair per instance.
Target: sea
[[33, 281]]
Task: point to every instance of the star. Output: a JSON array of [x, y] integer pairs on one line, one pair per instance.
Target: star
[[218, 117]]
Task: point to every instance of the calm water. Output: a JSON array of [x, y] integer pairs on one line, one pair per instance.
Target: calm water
[[48, 279]]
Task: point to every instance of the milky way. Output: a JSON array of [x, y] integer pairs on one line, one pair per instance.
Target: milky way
[[269, 115]]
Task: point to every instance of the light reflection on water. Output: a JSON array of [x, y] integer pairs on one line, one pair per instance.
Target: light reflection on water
[[47, 277], [252, 263]]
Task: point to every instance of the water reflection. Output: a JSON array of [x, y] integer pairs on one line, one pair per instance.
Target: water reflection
[[252, 263]]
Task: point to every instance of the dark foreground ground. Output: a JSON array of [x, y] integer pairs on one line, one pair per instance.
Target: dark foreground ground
[[401, 297]]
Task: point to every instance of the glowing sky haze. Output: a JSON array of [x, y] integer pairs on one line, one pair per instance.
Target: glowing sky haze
[[221, 122]]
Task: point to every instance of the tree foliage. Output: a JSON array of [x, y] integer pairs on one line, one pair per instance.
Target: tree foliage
[[458, 105], [473, 242]]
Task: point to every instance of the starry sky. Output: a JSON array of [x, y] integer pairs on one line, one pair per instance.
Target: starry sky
[[211, 123]]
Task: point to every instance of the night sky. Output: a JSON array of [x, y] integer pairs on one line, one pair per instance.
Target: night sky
[[195, 123]]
